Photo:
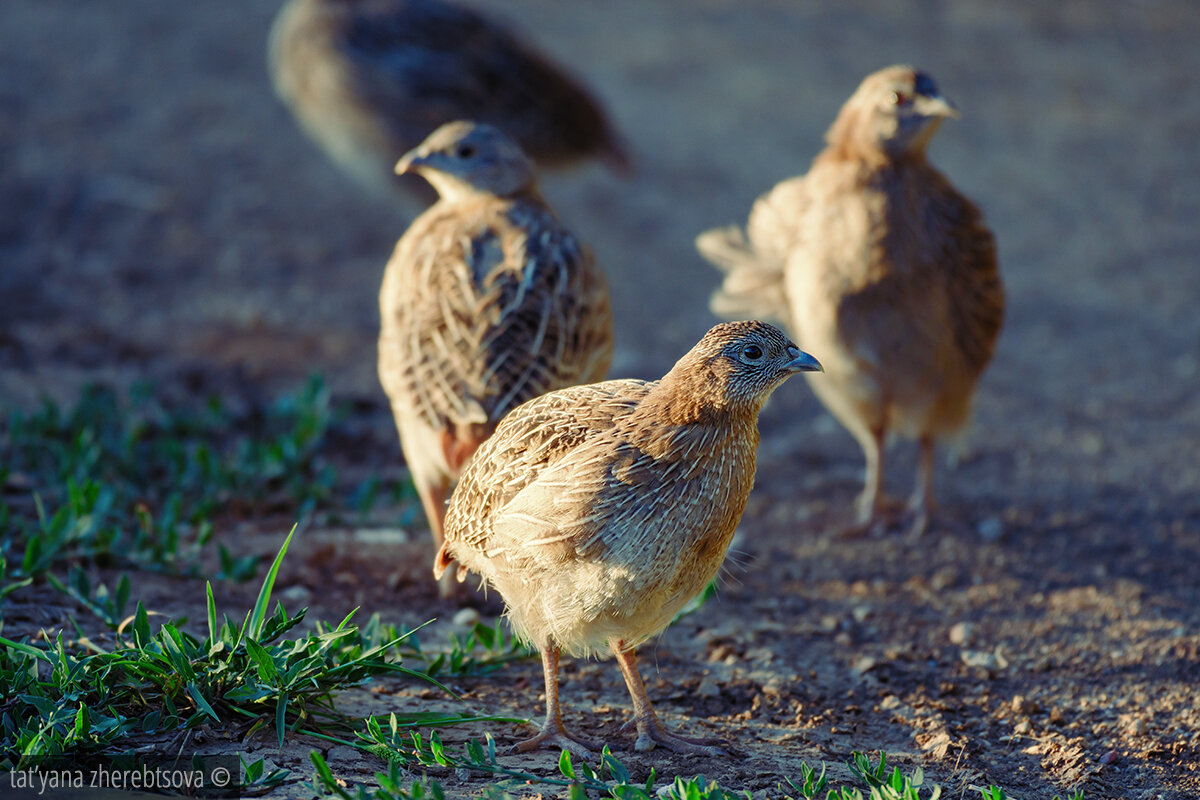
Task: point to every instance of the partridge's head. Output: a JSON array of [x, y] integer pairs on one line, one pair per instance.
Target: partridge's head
[[463, 158], [735, 367], [894, 111]]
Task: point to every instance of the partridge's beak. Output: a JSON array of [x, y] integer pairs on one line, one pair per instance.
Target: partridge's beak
[[803, 362], [409, 161], [935, 105]]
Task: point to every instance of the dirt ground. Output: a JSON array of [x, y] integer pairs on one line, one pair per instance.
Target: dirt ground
[[162, 217]]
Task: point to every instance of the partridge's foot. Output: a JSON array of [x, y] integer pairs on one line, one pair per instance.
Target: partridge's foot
[[875, 516], [558, 737], [921, 508], [920, 521], [655, 734]]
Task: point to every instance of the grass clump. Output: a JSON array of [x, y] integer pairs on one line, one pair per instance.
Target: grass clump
[[63, 701]]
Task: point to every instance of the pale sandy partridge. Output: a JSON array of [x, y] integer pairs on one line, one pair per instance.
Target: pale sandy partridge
[[598, 511], [368, 80], [875, 262], [487, 301]]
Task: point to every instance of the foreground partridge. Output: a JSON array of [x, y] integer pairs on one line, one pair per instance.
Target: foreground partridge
[[598, 511], [369, 79], [486, 302], [876, 262]]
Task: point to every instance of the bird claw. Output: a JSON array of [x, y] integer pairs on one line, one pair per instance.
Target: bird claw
[[919, 525], [888, 514], [648, 740], [581, 748], [656, 734]]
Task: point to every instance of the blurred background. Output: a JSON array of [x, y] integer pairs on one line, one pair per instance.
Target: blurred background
[[162, 216]]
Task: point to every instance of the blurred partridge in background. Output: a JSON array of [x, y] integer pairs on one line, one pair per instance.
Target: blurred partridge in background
[[486, 302], [879, 266], [598, 511], [368, 80]]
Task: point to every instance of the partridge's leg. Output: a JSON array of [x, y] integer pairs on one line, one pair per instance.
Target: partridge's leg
[[922, 503], [553, 734], [433, 500], [875, 511], [650, 731], [870, 501]]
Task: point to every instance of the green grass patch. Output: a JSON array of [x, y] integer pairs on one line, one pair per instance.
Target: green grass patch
[[130, 483], [64, 702], [405, 750]]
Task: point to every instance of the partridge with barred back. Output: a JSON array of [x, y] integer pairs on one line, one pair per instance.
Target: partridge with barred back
[[876, 262], [368, 80], [598, 511], [487, 301]]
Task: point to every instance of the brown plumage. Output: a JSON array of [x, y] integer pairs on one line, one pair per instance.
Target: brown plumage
[[486, 302], [875, 262], [598, 511], [368, 80]]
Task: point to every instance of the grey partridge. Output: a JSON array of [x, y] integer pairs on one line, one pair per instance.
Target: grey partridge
[[487, 301], [876, 262], [598, 511], [368, 80]]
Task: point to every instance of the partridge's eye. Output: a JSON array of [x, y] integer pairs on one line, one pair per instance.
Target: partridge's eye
[[465, 151], [752, 354], [901, 99]]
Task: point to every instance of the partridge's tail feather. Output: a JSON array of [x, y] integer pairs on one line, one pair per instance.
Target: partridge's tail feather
[[441, 561], [753, 285]]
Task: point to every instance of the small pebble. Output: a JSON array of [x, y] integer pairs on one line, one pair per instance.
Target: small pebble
[[1023, 727], [960, 632], [981, 659], [1023, 705], [864, 664], [465, 618], [296, 594]]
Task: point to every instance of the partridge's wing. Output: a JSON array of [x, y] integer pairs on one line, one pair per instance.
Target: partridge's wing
[[932, 297], [975, 290], [489, 306], [528, 444]]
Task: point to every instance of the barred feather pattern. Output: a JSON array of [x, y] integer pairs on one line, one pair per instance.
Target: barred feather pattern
[[487, 302]]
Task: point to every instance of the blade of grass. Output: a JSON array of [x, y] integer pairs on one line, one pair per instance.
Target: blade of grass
[[259, 615]]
